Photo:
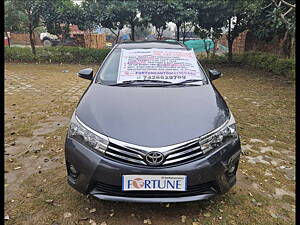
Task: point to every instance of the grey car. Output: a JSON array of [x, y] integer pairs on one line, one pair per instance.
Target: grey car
[[151, 140]]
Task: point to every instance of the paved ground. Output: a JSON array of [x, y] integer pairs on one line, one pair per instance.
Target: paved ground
[[39, 100]]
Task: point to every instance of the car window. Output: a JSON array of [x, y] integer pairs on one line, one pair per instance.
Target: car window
[[108, 73]]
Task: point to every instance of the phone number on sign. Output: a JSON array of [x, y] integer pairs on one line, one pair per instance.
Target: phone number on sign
[[162, 77]]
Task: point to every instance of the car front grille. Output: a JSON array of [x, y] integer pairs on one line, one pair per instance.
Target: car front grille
[[205, 188], [124, 154], [173, 155]]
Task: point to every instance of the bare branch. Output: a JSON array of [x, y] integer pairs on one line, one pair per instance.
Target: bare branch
[[112, 31], [276, 4], [266, 6], [282, 16], [290, 9], [288, 4]]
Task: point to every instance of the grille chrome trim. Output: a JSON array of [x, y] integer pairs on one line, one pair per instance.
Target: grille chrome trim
[[142, 149], [173, 154], [126, 158], [183, 158], [184, 145], [126, 152]]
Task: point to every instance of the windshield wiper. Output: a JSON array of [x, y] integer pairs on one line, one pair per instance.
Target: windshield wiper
[[128, 82], [187, 81]]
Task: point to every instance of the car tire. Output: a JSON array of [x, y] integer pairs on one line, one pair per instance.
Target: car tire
[[47, 43]]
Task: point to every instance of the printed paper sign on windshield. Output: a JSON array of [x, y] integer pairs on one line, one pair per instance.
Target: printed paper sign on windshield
[[158, 64]]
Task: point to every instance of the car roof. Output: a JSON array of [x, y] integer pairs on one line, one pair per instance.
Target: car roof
[[151, 44]]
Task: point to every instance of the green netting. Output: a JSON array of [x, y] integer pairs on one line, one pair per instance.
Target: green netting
[[197, 45]]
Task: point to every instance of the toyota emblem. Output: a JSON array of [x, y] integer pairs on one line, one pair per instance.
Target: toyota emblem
[[154, 158]]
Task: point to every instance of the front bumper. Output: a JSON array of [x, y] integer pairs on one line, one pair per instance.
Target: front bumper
[[101, 177]]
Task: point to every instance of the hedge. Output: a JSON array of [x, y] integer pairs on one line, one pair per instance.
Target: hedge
[[56, 55], [268, 62], [258, 60]]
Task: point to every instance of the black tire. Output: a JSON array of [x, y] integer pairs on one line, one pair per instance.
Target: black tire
[[47, 43]]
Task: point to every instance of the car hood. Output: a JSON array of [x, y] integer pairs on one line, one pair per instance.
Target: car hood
[[152, 116]]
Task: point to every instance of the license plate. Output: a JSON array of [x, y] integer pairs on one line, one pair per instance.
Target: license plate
[[154, 182]]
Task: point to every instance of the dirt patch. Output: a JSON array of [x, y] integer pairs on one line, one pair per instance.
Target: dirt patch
[[37, 113], [22, 145], [50, 125]]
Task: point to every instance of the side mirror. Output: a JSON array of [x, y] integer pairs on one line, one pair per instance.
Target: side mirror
[[86, 73], [214, 74]]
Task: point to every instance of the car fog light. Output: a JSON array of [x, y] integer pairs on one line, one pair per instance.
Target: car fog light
[[73, 170], [231, 169]]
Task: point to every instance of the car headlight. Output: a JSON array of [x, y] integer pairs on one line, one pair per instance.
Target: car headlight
[[223, 135], [87, 136]]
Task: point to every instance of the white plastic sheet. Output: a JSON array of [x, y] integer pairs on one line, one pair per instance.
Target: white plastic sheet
[[158, 64]]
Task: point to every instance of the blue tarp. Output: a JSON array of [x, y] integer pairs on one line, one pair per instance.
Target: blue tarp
[[125, 37]]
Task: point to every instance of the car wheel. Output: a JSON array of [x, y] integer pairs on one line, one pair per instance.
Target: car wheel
[[47, 43]]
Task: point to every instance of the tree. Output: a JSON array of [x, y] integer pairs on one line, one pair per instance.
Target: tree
[[142, 32], [183, 14], [157, 13], [275, 20], [113, 20], [57, 15], [32, 12], [126, 13], [209, 22], [130, 15], [108, 14], [237, 15], [285, 12], [13, 19], [265, 27], [91, 14], [203, 34]]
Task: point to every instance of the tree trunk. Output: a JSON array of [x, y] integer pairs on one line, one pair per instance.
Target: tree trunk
[[183, 33], [132, 32], [178, 32], [215, 46], [32, 40], [8, 39], [230, 42], [63, 38], [159, 33], [206, 48], [283, 44], [293, 47], [116, 34], [117, 38]]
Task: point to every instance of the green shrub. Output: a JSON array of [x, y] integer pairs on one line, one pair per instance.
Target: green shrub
[[18, 54], [270, 63], [212, 59], [259, 60], [56, 55]]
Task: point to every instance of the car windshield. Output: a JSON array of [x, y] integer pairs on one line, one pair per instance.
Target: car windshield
[[151, 67]]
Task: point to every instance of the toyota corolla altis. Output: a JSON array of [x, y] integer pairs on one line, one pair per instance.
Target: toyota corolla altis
[[151, 127]]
